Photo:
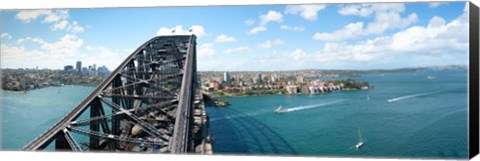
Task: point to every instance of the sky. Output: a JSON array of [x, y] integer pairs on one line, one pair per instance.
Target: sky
[[246, 38]]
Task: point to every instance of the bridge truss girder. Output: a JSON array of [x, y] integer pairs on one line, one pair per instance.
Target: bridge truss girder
[[144, 104]]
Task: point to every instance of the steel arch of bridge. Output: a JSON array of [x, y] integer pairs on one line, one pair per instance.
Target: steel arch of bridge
[[145, 102]]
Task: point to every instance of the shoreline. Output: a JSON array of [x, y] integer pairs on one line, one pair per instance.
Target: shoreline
[[290, 94], [9, 91], [25, 91]]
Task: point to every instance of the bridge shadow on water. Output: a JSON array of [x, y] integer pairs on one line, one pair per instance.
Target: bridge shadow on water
[[240, 133]]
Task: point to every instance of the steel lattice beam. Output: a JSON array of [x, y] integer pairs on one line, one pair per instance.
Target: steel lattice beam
[[147, 101]]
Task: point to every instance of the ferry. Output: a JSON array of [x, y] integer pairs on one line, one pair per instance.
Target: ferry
[[280, 109]]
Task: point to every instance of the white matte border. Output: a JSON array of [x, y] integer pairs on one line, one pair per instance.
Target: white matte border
[[45, 4], [70, 156]]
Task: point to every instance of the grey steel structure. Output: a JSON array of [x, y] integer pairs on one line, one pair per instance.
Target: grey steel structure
[[144, 104]]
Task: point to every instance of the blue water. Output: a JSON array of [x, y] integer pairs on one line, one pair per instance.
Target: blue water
[[25, 116], [426, 119]]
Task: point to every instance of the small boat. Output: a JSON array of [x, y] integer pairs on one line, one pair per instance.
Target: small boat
[[280, 109], [431, 77], [360, 142], [368, 98]]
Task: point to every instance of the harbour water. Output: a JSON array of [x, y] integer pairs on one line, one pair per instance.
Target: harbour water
[[25, 116], [425, 118]]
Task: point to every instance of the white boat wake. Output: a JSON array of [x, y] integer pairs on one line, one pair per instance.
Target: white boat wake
[[298, 108], [235, 116], [411, 96]]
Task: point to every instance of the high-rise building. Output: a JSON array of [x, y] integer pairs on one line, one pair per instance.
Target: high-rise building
[[226, 77], [84, 71], [79, 66], [257, 79], [103, 71], [67, 68], [94, 66]]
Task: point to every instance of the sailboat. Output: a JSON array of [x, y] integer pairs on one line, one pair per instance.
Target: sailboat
[[368, 98], [360, 141]]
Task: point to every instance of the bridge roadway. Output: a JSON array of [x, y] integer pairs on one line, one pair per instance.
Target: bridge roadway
[[182, 120], [184, 116]]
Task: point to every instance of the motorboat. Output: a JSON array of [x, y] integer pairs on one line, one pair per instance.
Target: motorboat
[[280, 109], [360, 141], [359, 145], [431, 77]]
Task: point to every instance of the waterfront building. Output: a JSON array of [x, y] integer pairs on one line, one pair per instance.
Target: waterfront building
[[292, 89], [312, 89], [215, 85], [305, 90]]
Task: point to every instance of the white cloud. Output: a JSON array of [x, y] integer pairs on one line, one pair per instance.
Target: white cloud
[[364, 10], [293, 28], [347, 32], [436, 4], [55, 55], [438, 43], [237, 49], [257, 30], [50, 15], [308, 12], [28, 15], [68, 45], [57, 17], [296, 59], [225, 38], [6, 35], [35, 40], [214, 65], [50, 55], [206, 50], [387, 16], [75, 28], [98, 55], [90, 47], [271, 16], [19, 57], [270, 43], [59, 26], [198, 30], [249, 22], [298, 54]]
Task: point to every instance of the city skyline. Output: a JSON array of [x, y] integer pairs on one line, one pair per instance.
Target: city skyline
[[262, 38]]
